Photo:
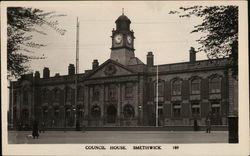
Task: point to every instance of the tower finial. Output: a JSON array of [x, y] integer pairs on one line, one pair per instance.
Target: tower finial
[[122, 11]]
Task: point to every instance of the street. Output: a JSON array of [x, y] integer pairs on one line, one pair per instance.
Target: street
[[78, 137]]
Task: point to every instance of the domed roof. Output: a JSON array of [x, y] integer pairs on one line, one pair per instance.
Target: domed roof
[[123, 18]]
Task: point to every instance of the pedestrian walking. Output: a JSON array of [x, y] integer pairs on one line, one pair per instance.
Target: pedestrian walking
[[35, 133], [208, 126]]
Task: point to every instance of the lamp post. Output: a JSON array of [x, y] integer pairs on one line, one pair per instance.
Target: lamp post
[[140, 114], [74, 110]]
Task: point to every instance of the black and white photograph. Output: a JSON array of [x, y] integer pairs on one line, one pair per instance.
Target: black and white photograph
[[139, 77]]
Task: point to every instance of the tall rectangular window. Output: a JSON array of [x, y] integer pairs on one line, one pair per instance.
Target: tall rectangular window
[[112, 92], [96, 94], [215, 107], [129, 90], [195, 108], [56, 112], [177, 110]]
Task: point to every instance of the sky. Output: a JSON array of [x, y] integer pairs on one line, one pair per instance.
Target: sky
[[166, 35]]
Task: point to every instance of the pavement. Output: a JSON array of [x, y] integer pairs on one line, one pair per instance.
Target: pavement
[[109, 137]]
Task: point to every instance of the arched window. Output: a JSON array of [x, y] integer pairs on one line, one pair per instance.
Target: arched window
[[215, 85], [96, 111], [176, 87], [195, 86], [128, 111]]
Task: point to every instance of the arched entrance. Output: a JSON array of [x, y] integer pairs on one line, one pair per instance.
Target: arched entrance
[[111, 114]]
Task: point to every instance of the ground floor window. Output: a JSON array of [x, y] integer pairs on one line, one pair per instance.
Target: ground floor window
[[67, 113], [215, 108], [96, 111], [128, 111], [56, 112], [195, 109], [80, 113], [215, 112], [177, 110]]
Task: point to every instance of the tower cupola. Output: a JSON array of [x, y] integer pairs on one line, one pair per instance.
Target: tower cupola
[[122, 49], [123, 23]]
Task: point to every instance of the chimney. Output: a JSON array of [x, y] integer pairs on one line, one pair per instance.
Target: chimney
[[192, 55], [150, 59], [37, 74], [46, 72], [57, 75], [95, 64], [71, 69]]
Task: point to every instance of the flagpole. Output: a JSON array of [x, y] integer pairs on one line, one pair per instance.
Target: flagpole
[[77, 64]]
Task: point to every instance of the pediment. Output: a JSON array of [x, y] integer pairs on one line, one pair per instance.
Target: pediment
[[110, 68]]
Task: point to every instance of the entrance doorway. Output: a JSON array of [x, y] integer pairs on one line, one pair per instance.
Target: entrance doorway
[[111, 114]]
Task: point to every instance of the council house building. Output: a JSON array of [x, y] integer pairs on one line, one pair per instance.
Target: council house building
[[121, 92]]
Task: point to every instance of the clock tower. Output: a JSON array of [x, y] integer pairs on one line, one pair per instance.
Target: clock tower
[[122, 49]]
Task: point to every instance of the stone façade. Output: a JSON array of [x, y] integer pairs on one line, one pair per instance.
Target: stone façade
[[122, 92]]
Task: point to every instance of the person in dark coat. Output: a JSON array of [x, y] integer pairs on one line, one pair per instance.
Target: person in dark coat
[[35, 133], [196, 128], [77, 125], [208, 126]]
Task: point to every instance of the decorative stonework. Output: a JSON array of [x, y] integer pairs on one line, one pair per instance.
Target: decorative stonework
[[110, 70]]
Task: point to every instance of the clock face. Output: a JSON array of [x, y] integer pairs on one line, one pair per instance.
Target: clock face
[[129, 39], [118, 38]]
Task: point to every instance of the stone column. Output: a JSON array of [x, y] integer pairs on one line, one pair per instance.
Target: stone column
[[86, 106], [118, 104]]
